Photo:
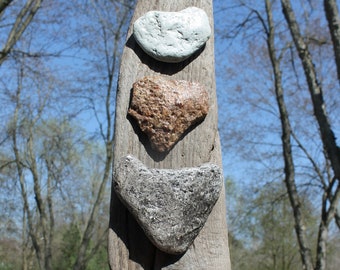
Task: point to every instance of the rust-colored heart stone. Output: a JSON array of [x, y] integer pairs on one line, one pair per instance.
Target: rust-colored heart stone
[[165, 109]]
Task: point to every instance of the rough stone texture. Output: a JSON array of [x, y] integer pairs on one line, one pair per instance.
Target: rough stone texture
[[170, 205], [165, 109], [172, 36]]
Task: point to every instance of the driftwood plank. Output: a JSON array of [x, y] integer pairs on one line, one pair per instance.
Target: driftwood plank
[[128, 247]]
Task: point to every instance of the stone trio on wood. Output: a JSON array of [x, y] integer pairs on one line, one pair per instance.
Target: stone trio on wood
[[170, 205]]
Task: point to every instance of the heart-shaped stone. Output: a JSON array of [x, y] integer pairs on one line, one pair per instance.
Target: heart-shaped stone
[[172, 36], [171, 206], [165, 109]]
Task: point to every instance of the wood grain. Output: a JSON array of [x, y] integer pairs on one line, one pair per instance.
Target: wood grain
[[128, 247]]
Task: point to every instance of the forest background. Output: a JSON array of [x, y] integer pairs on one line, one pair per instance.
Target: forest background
[[279, 101]]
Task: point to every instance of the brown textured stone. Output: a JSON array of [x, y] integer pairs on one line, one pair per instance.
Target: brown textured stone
[[165, 109]]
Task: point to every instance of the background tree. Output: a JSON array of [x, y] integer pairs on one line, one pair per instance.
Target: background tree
[[331, 195], [111, 33], [332, 15], [262, 226], [22, 19], [305, 171], [289, 169], [57, 139]]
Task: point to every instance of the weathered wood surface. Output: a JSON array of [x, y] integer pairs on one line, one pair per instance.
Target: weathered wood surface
[[128, 247]]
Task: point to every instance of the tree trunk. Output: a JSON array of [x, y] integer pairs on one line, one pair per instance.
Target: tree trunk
[[85, 252], [128, 247], [289, 169], [82, 256], [40, 202], [327, 134], [332, 15], [21, 176]]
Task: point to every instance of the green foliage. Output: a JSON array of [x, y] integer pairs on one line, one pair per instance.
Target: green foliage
[[68, 250], [262, 227], [69, 247], [9, 256], [99, 260]]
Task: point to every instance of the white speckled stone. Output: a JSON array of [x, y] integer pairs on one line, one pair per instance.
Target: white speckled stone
[[172, 36], [171, 206]]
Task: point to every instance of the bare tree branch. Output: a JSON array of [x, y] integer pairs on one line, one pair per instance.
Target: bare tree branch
[[337, 218], [332, 15], [4, 4], [111, 57], [289, 169], [23, 19], [327, 134], [309, 157]]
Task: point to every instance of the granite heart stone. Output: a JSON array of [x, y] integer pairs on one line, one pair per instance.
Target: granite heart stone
[[172, 36], [171, 206], [165, 109]]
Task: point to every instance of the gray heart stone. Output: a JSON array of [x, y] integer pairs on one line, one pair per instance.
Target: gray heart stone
[[171, 206], [172, 36]]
